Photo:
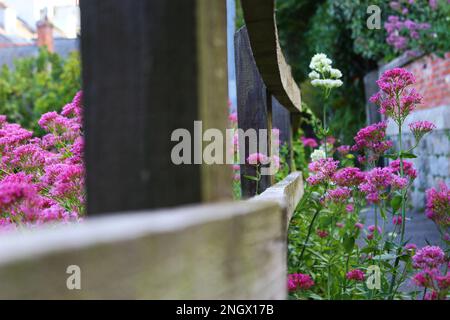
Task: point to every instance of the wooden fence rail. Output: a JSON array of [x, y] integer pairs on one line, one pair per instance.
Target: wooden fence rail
[[232, 250]]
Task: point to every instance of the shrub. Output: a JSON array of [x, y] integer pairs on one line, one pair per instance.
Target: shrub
[[37, 85]]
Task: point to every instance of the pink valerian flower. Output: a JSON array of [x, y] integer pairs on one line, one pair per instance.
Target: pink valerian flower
[[276, 161], [309, 142], [377, 181], [408, 168], [322, 169], [75, 108], [331, 140], [429, 257], [355, 274], [339, 195], [410, 247], [421, 128], [257, 159], [233, 117], [299, 281], [425, 278], [373, 231], [438, 205], [11, 135], [42, 179], [372, 139], [349, 208], [322, 233], [343, 150], [394, 99], [339, 224], [400, 31], [359, 225], [67, 128], [430, 260], [397, 220], [27, 157], [348, 177], [443, 281]]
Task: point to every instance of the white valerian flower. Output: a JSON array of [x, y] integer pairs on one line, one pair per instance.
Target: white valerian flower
[[335, 73], [322, 74], [327, 83], [317, 155], [313, 75], [320, 63]]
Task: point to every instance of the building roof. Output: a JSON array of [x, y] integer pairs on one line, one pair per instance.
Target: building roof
[[63, 47]]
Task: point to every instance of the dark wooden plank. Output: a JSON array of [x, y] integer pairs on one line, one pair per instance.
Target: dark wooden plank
[[281, 119], [261, 24], [253, 107], [142, 80]]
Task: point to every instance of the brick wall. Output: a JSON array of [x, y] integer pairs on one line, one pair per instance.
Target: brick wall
[[433, 79]]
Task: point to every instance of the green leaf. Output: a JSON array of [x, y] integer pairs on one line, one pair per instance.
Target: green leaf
[[251, 178], [407, 155], [391, 156], [348, 242], [384, 257], [396, 202]]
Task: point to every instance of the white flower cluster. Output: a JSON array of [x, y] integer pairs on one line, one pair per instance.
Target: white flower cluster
[[317, 155], [321, 67]]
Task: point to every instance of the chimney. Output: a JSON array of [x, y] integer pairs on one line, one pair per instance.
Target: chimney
[[45, 34]]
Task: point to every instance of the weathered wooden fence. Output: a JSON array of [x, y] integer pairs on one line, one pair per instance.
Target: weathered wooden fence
[[150, 67]]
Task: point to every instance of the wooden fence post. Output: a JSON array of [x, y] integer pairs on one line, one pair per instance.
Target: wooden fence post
[[282, 121], [150, 67], [254, 107]]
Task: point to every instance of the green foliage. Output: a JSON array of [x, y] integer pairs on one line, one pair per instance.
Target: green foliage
[[371, 44], [308, 27], [37, 85]]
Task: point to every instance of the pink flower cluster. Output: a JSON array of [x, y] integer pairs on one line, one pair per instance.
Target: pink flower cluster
[[394, 98], [343, 150], [322, 233], [420, 128], [372, 139], [395, 26], [408, 168], [438, 205], [299, 281], [356, 275], [378, 181], [42, 179], [257, 158], [323, 170], [429, 260], [349, 177], [339, 195], [309, 142], [373, 231]]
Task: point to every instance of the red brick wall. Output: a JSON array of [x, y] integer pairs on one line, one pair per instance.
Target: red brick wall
[[433, 79]]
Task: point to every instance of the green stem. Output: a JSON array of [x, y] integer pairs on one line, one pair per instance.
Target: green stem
[[344, 287], [308, 235], [402, 234]]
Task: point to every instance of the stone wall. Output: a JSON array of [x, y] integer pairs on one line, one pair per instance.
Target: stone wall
[[433, 162]]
